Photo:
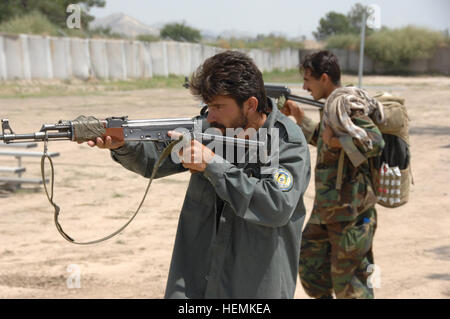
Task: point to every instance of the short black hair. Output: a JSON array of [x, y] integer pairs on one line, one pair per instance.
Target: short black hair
[[230, 73], [322, 62]]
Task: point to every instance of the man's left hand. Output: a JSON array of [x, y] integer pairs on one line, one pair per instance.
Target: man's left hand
[[329, 138]]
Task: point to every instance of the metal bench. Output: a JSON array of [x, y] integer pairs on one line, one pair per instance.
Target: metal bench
[[15, 170], [17, 145], [21, 180], [16, 181], [30, 154]]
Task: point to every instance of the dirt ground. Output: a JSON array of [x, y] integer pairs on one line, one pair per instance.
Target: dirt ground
[[96, 195]]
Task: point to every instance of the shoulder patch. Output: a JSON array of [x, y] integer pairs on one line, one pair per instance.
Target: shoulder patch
[[284, 179]]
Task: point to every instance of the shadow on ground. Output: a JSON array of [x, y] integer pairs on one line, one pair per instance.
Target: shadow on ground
[[430, 130]]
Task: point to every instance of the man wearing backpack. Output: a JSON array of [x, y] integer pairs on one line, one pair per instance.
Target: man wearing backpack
[[336, 248]]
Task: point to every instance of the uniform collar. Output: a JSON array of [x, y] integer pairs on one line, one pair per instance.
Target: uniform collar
[[273, 116]]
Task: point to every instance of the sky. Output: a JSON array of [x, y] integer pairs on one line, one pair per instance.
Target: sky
[[291, 18]]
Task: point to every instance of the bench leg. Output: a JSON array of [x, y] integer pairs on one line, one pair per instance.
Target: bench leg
[[19, 174]]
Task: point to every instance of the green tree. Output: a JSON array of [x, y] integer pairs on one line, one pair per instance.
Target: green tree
[[395, 49], [355, 16], [332, 24], [347, 41], [54, 10], [31, 23], [148, 38], [180, 32], [335, 24]]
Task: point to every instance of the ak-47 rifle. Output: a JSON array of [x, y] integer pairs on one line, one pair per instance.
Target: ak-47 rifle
[[120, 129], [279, 91]]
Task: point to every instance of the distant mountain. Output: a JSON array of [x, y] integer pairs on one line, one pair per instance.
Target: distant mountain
[[123, 24]]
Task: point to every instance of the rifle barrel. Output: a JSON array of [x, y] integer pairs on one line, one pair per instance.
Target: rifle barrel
[[304, 100], [132, 130], [39, 136], [230, 140]]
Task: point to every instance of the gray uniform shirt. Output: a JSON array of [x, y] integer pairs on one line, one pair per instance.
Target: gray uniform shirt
[[251, 248]]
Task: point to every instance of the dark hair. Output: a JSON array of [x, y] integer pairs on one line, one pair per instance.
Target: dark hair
[[230, 73], [322, 62]]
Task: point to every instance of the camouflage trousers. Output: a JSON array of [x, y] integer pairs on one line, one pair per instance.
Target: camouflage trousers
[[335, 257]]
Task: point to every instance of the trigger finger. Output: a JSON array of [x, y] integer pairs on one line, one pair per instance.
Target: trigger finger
[[108, 142], [100, 142]]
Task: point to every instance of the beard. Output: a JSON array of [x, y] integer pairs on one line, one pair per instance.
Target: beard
[[240, 122], [218, 126]]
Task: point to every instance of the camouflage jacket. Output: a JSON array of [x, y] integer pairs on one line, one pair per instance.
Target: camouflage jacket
[[356, 194]]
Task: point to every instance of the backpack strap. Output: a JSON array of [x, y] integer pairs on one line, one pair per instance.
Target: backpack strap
[[410, 173], [49, 194], [340, 170], [355, 156]]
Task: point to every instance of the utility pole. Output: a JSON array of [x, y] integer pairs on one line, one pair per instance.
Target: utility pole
[[361, 49]]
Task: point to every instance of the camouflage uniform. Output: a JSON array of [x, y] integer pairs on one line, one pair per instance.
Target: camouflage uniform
[[337, 241]]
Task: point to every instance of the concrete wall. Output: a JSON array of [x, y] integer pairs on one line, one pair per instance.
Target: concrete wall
[[41, 57], [40, 61], [158, 54], [2, 59], [61, 58], [99, 58], [17, 59], [439, 62]]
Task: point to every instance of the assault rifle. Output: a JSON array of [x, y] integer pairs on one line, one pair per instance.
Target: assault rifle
[[119, 128], [276, 92]]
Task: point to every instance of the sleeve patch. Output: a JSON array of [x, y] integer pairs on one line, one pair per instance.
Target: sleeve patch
[[284, 179]]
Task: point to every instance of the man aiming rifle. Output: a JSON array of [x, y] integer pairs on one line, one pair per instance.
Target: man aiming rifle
[[239, 230]]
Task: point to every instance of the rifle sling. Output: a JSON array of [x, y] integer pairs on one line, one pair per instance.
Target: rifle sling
[[162, 157]]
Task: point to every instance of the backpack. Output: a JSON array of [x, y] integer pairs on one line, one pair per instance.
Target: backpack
[[391, 171]]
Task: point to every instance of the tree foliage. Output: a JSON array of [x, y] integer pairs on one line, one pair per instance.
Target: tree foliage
[[54, 10], [180, 32], [395, 49], [334, 23], [355, 16], [148, 38], [32, 23], [270, 42], [347, 41]]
